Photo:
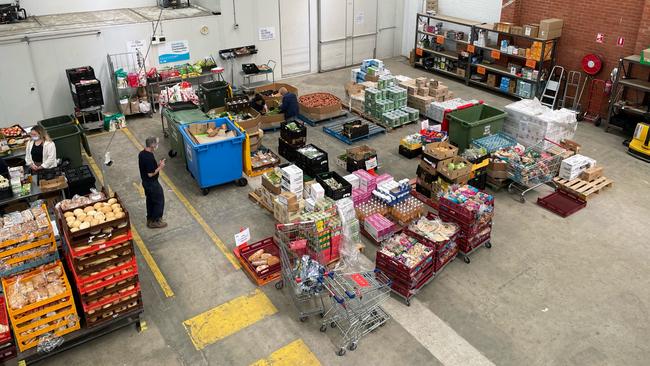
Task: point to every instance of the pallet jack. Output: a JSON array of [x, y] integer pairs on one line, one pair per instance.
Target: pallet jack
[[639, 146]]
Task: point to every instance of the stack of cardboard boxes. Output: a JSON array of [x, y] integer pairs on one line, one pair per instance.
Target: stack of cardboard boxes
[[288, 204], [440, 167], [422, 92], [386, 103]]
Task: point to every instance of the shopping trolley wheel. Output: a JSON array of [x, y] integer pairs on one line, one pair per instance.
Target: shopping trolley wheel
[[352, 346], [166, 134], [172, 153], [522, 199], [303, 319], [322, 315], [408, 302], [332, 324], [341, 352], [205, 191], [323, 328], [279, 285], [241, 182], [466, 259], [488, 245]]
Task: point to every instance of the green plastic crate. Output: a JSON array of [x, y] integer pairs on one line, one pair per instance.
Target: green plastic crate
[[467, 125]]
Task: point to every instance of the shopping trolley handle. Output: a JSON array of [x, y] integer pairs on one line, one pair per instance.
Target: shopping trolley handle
[[330, 275], [351, 295], [338, 299]]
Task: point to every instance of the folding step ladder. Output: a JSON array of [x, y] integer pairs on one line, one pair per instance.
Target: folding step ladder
[[552, 89], [573, 90]]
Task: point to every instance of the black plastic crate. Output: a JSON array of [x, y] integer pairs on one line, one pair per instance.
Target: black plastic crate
[[426, 192], [87, 95], [408, 153], [479, 181], [335, 194], [287, 150], [356, 129], [80, 73], [319, 164], [353, 165], [290, 136], [80, 181], [314, 171]]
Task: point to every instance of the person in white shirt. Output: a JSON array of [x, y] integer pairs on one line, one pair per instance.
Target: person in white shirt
[[41, 151]]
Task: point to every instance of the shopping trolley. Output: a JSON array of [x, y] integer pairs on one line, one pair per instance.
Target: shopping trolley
[[355, 309], [538, 165], [301, 269]]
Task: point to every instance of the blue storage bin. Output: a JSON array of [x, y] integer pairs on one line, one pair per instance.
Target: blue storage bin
[[218, 162]]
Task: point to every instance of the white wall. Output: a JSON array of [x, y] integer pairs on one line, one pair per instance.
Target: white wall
[[44, 7], [52, 57], [488, 11]]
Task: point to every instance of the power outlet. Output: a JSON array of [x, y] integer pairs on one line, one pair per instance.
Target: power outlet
[[32, 87], [162, 39]]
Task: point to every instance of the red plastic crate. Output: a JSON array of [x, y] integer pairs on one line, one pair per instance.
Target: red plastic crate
[[115, 240], [467, 245], [431, 244], [4, 320], [460, 213], [397, 270], [268, 275], [409, 292], [445, 256], [466, 229], [410, 282], [85, 285], [99, 304]]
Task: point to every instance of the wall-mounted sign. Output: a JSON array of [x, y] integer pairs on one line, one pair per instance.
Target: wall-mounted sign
[[173, 51]]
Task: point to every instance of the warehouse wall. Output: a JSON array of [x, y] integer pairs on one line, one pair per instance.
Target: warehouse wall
[[44, 7], [583, 22], [52, 57], [481, 10]]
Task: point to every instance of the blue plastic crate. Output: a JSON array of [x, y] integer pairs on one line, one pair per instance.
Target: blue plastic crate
[[214, 163], [495, 142]]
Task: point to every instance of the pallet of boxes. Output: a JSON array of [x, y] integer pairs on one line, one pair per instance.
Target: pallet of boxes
[[386, 104], [440, 167], [39, 301], [100, 254], [423, 91], [581, 177]]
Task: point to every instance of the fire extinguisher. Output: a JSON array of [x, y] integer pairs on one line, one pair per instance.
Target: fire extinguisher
[[610, 82]]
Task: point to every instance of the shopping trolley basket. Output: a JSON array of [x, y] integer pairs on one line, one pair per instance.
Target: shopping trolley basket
[[302, 272], [538, 165], [355, 309]]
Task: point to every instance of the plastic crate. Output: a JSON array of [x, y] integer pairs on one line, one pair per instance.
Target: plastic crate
[[467, 244], [409, 291], [410, 153], [124, 306], [43, 316], [4, 320], [435, 245], [268, 275], [473, 123], [461, 214], [98, 262], [423, 269], [77, 74], [80, 181], [87, 95], [313, 166], [114, 290], [88, 283], [287, 150], [291, 136], [335, 194], [117, 237], [85, 237], [495, 142], [392, 265], [202, 157], [445, 255]]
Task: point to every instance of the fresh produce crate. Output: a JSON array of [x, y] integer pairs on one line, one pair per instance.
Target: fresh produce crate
[[290, 135], [114, 307], [288, 151], [356, 129], [409, 153], [315, 165], [55, 314], [335, 194], [83, 235], [267, 275]]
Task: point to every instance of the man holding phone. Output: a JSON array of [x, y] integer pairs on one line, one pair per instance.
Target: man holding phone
[[149, 171]]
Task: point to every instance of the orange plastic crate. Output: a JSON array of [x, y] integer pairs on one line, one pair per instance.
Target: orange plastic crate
[[25, 245]]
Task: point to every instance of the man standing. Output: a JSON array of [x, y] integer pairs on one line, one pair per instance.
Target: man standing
[[289, 104], [149, 171]]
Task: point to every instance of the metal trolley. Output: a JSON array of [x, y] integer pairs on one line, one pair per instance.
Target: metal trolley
[[527, 177], [298, 245], [355, 305]]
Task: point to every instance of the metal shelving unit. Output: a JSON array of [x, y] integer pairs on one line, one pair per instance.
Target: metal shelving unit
[[469, 56], [426, 41], [624, 84]]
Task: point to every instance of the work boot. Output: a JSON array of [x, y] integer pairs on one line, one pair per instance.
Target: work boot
[[149, 221], [158, 224]]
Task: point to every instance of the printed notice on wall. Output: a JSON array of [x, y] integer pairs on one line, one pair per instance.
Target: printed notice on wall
[[138, 45], [173, 51], [267, 33], [360, 18]]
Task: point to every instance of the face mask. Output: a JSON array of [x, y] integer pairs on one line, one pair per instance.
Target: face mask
[[35, 138]]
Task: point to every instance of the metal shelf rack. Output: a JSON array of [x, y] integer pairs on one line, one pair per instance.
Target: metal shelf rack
[[624, 83]]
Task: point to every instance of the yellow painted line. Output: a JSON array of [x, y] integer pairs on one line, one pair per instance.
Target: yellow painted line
[[295, 353], [98, 134], [188, 206], [164, 285], [228, 318], [138, 187]]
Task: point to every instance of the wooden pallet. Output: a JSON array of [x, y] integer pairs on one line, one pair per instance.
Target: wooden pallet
[[255, 197], [583, 189]]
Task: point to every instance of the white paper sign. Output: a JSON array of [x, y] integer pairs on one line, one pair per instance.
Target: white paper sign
[[243, 237], [267, 33], [173, 51], [424, 125], [371, 163], [137, 45], [360, 18]]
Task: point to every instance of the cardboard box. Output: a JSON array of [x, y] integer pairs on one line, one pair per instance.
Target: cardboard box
[[275, 87], [531, 30], [290, 200], [515, 29], [441, 91], [272, 120], [314, 111], [440, 150], [646, 55], [497, 169], [550, 28], [374, 78], [443, 168], [492, 80], [266, 183], [201, 128], [461, 72], [592, 173], [572, 167]]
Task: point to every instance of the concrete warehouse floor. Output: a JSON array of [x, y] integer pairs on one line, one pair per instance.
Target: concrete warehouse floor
[[551, 291]]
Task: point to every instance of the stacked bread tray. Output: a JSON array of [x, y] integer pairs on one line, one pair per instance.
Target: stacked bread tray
[[101, 257], [40, 305]]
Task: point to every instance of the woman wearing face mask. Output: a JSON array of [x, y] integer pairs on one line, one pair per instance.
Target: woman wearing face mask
[[149, 171], [40, 152]]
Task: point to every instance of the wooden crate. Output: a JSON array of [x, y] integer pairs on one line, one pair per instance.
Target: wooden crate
[[53, 312], [582, 189]]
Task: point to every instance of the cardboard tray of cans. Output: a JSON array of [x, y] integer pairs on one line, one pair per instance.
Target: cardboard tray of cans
[[84, 237], [118, 306], [56, 314], [15, 252]]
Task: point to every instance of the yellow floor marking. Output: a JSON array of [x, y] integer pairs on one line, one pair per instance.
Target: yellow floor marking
[[138, 187], [137, 239], [228, 318], [195, 214], [295, 353], [89, 135], [151, 263]]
